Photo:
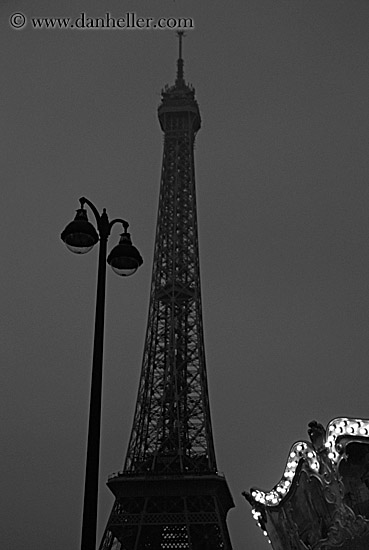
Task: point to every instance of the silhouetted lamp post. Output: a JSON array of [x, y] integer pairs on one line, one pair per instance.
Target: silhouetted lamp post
[[80, 236]]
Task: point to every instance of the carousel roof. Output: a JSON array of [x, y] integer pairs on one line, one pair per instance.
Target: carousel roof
[[322, 499]]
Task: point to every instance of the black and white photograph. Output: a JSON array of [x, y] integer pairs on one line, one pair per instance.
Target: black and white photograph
[[184, 275]]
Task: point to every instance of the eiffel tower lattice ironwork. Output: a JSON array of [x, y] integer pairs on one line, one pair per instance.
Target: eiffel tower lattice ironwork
[[169, 495]]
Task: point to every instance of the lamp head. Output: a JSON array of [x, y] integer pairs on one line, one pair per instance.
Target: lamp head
[[124, 258], [80, 235]]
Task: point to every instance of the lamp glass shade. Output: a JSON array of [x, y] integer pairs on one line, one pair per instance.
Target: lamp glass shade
[[123, 268], [80, 235], [124, 258], [79, 243]]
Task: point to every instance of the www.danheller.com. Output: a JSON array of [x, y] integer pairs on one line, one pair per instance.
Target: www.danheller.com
[[129, 21]]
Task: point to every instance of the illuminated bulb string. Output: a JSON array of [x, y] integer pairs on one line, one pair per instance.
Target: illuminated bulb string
[[339, 427], [300, 450]]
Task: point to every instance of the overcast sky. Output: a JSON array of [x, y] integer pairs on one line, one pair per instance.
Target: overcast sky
[[283, 206]]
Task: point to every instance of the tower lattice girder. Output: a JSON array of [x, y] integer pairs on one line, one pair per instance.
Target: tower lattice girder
[[172, 430], [169, 495]]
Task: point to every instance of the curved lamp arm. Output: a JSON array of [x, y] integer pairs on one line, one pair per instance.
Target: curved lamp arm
[[123, 222], [102, 220]]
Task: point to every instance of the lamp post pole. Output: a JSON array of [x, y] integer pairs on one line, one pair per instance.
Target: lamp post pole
[[89, 519], [80, 236]]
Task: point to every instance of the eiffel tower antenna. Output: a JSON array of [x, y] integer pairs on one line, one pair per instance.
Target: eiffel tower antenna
[[180, 78]]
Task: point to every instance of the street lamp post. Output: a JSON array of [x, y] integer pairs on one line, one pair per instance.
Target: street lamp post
[[80, 236]]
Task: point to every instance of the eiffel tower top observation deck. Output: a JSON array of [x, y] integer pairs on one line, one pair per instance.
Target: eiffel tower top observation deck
[[180, 97]]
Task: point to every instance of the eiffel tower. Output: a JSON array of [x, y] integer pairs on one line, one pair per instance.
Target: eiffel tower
[[169, 495]]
